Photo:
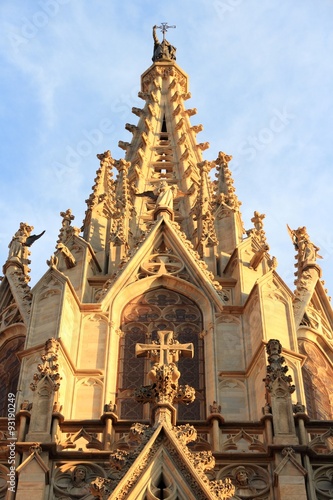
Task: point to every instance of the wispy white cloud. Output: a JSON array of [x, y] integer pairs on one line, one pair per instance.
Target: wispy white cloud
[[81, 65]]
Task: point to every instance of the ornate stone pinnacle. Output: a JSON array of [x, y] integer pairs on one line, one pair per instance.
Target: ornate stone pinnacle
[[49, 367], [275, 370]]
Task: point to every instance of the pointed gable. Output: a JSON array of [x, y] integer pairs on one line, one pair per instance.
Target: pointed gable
[[163, 465]]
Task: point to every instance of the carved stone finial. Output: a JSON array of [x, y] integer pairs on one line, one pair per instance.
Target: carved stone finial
[[57, 407], [215, 408], [105, 158], [66, 229], [102, 487], [258, 232], [275, 370], [223, 159], [225, 190], [118, 459], [49, 367]]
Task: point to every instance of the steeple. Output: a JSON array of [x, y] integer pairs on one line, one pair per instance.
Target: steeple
[[142, 349], [164, 174]]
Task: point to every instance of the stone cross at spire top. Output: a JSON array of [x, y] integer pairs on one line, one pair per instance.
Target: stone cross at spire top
[[164, 28]]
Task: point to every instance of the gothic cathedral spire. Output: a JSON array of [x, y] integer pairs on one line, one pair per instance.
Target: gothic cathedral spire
[[150, 359]]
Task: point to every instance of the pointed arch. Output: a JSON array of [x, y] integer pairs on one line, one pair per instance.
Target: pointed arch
[[10, 364], [318, 386], [232, 393], [88, 397]]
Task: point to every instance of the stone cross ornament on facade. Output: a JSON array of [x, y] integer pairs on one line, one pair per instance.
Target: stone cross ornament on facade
[[164, 374], [167, 351]]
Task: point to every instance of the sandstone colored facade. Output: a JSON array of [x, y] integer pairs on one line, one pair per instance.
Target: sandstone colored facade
[[161, 355]]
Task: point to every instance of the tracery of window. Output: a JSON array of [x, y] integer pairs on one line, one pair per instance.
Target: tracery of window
[[309, 394], [317, 377], [9, 371], [142, 318]]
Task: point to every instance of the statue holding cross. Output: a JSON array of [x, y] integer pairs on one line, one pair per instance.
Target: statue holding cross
[[163, 51], [164, 373]]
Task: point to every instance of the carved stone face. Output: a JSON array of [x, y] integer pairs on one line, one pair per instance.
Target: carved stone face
[[79, 474], [242, 476]]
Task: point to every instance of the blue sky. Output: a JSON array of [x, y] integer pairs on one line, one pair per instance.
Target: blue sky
[[261, 77]]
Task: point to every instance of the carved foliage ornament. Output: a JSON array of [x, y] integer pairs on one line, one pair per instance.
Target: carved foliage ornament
[[275, 370], [49, 367], [165, 388], [223, 489]]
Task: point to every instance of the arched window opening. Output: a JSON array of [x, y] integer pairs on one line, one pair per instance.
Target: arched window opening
[[142, 318], [164, 127], [162, 487], [9, 371]]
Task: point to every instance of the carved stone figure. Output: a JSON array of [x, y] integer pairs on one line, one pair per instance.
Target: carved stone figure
[[163, 50], [249, 482], [79, 486], [110, 407], [75, 483], [166, 195], [307, 251], [163, 195], [18, 240], [242, 476], [298, 408], [18, 247], [49, 367], [26, 405], [215, 408]]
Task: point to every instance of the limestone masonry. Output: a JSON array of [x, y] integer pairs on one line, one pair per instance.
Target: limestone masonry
[[161, 356]]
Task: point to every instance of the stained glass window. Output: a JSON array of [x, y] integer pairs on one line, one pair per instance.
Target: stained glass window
[[9, 371], [142, 318]]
